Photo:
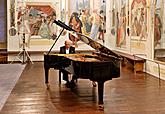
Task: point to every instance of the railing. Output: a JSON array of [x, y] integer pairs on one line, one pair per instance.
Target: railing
[[157, 62]]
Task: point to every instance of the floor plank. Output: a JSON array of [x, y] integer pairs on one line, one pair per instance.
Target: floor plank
[[129, 94]]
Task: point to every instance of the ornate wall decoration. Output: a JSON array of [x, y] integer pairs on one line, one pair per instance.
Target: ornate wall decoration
[[139, 19], [35, 21], [12, 13], [3, 25], [158, 27], [12, 30], [121, 24]]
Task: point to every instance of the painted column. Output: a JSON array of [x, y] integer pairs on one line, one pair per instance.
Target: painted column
[[108, 23]]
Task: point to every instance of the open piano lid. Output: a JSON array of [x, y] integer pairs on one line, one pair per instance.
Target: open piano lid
[[97, 46]]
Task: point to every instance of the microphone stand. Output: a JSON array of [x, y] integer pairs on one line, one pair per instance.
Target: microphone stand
[[24, 53]]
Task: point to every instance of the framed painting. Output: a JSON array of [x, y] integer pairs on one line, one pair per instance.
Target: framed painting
[[36, 20]]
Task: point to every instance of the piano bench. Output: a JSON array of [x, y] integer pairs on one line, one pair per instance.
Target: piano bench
[[132, 61]]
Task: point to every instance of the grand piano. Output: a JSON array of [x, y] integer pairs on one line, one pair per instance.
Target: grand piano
[[101, 66]]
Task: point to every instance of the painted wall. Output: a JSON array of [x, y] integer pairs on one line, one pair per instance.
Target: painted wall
[[144, 47], [36, 43], [135, 43]]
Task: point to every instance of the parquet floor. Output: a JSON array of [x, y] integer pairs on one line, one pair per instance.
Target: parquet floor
[[129, 94]]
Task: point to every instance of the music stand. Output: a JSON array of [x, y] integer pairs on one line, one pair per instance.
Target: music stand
[[23, 53]]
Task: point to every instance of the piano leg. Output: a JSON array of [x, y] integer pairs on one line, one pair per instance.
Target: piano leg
[[101, 91], [46, 77]]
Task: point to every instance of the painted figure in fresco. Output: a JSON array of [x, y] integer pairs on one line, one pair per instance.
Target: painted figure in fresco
[[96, 21], [76, 24], [44, 30], [121, 30], [139, 18], [102, 25], [86, 25], [36, 26], [157, 30], [53, 26]]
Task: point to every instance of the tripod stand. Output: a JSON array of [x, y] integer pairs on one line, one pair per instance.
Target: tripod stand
[[23, 53]]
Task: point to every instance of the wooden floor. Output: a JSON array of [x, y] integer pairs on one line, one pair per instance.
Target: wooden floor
[[129, 94]]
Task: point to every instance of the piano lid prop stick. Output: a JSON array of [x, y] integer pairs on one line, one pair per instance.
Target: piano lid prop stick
[[66, 26], [55, 41], [63, 25]]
